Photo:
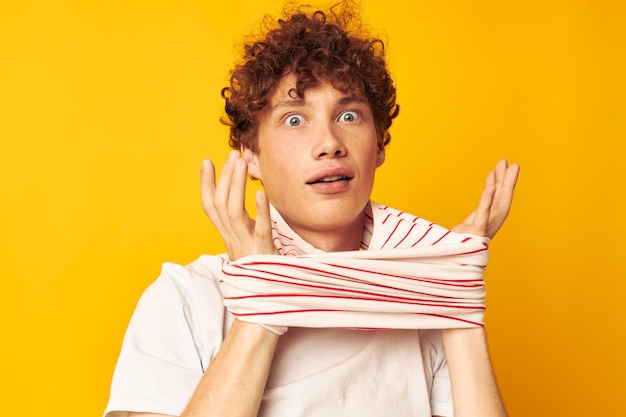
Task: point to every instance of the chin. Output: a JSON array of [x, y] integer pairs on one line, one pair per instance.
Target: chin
[[329, 217]]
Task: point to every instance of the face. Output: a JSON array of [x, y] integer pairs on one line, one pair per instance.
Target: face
[[317, 157]]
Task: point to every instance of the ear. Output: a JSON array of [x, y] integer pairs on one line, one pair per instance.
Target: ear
[[252, 158], [380, 156]]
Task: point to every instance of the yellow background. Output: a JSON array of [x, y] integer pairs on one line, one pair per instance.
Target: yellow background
[[108, 107]]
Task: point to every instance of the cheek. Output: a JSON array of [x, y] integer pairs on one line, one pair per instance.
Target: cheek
[[276, 171], [372, 155]]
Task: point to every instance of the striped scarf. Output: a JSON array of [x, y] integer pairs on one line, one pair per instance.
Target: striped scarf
[[412, 275]]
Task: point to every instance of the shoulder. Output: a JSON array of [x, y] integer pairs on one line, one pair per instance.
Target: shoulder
[[185, 283], [179, 316], [176, 330], [184, 302]]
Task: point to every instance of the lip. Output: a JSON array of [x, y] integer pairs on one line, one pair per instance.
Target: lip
[[341, 172], [340, 185]]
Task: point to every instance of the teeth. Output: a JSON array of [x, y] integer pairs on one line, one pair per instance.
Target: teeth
[[333, 178]]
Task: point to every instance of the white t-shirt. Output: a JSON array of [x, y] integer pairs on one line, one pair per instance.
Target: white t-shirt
[[180, 323]]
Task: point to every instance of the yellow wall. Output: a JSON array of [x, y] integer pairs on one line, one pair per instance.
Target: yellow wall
[[107, 108]]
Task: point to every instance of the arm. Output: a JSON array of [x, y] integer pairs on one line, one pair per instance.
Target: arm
[[474, 388], [234, 383]]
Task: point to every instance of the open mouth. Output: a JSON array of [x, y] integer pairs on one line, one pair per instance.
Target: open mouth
[[332, 178]]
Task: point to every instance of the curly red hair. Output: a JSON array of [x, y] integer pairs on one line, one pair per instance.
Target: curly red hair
[[310, 45]]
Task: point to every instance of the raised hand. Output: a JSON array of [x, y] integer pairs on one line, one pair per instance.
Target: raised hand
[[224, 203], [495, 202]]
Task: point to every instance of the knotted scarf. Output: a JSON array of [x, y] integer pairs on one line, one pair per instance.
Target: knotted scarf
[[411, 274]]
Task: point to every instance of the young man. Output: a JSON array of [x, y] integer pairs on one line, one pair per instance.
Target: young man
[[309, 108]]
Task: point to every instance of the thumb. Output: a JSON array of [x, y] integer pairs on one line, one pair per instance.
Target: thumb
[[482, 213], [263, 226]]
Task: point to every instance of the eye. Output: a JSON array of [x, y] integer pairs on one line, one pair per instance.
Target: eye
[[294, 120], [349, 116]]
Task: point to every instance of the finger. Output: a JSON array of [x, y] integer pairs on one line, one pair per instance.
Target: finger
[[501, 168], [207, 192], [466, 225], [241, 223], [470, 218], [222, 191], [481, 215], [237, 190], [510, 178], [263, 226], [506, 181], [207, 182], [207, 187]]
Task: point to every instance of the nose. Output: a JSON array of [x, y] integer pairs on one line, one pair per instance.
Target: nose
[[328, 144]]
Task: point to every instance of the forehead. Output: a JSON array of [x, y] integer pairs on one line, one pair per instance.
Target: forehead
[[284, 93]]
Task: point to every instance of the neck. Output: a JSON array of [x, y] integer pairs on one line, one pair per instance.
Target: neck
[[335, 239]]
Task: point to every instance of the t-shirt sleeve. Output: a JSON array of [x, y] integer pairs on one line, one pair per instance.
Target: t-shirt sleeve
[[169, 342], [440, 389]]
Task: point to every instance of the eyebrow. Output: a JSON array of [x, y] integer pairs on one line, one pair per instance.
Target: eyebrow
[[300, 102]]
